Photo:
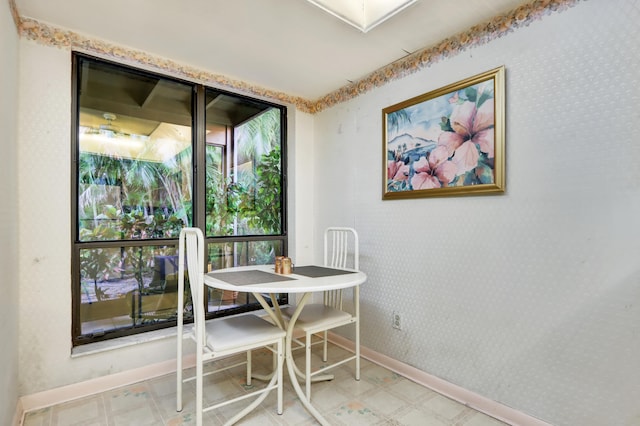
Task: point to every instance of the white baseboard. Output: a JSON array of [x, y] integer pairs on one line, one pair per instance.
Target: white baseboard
[[457, 393], [102, 384], [18, 415]]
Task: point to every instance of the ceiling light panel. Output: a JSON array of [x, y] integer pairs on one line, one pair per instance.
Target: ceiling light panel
[[362, 14]]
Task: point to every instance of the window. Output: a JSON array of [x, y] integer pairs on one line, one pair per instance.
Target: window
[[153, 154]]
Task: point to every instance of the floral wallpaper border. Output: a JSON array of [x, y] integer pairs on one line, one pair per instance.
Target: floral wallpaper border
[[15, 14], [477, 35]]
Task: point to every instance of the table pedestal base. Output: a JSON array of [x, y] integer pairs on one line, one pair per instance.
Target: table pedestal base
[[293, 370]]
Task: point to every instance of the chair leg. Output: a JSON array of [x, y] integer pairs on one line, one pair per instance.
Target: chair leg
[[199, 390], [249, 368], [179, 375], [307, 359], [274, 360], [357, 349], [324, 352], [279, 368]]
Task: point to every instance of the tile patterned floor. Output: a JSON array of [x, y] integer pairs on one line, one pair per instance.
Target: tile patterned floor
[[381, 397]]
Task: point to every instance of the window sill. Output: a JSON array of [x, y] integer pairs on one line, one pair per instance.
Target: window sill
[[123, 342]]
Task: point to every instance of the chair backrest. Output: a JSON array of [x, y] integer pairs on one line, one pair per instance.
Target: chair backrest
[[341, 250], [193, 240]]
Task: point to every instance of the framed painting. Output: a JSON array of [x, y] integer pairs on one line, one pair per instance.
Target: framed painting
[[447, 142]]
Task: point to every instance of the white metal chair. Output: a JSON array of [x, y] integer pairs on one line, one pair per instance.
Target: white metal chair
[[341, 250], [221, 338]]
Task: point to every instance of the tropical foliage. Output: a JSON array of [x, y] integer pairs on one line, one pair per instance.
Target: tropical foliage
[[126, 199], [132, 199], [248, 201], [129, 199]]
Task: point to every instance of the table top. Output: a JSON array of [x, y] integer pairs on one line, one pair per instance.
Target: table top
[[263, 279]]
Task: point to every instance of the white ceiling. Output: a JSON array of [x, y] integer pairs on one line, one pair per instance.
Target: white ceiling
[[288, 46]]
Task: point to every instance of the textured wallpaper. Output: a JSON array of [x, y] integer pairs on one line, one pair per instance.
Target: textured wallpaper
[[8, 216], [531, 298]]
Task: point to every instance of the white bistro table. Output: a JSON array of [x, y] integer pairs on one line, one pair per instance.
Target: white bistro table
[[260, 279]]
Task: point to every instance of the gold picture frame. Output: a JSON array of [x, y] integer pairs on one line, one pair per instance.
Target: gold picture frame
[[449, 141]]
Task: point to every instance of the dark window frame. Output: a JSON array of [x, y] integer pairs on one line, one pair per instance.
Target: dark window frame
[[198, 200]]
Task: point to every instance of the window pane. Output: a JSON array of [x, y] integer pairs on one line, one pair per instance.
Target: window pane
[[134, 155], [244, 166], [227, 255], [124, 287], [259, 174], [220, 216]]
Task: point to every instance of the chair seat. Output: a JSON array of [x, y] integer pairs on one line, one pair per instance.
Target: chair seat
[[317, 315], [239, 331]]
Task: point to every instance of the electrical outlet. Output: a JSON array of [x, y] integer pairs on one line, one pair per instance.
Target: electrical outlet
[[396, 321]]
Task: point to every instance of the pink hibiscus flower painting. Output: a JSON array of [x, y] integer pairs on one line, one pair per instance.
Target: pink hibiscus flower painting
[[445, 141]]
